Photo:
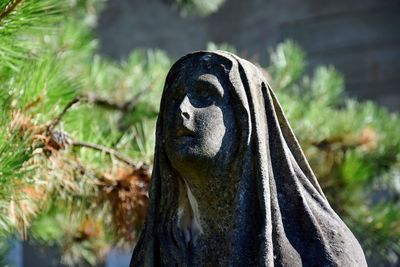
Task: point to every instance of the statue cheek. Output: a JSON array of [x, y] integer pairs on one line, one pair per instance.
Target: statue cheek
[[211, 127]]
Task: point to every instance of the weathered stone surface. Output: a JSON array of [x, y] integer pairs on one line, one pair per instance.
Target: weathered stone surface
[[230, 184]]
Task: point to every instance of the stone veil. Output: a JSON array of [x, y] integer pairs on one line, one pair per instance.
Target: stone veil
[[264, 208]]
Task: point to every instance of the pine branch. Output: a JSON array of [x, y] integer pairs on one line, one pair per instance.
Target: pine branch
[[127, 106], [57, 119], [91, 98], [103, 102], [9, 9], [99, 101], [105, 149], [131, 104], [33, 103]]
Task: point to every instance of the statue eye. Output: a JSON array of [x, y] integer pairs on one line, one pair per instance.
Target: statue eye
[[204, 94], [204, 91]]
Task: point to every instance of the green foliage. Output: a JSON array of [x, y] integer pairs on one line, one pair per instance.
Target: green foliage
[[225, 47], [197, 7], [20, 23], [287, 64], [352, 146], [68, 118]]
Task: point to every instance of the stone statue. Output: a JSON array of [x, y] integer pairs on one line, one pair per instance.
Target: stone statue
[[230, 184]]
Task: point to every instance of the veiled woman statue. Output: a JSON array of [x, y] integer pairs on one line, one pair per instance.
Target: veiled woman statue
[[230, 184]]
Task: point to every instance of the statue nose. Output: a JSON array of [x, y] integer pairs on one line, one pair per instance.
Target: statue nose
[[185, 115], [185, 108]]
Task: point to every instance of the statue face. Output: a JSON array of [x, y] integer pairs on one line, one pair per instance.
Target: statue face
[[199, 124]]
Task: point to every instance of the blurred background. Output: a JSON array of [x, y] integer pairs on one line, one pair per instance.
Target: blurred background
[[80, 84], [360, 38]]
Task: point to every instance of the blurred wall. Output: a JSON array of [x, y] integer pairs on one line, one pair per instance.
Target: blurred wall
[[29, 254], [361, 38]]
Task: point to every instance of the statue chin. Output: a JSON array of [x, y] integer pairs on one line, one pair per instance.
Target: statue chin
[[189, 159]]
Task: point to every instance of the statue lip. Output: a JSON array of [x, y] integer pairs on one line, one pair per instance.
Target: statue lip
[[183, 131]]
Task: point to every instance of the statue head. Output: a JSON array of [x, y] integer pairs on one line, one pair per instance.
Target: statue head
[[199, 127], [230, 184]]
